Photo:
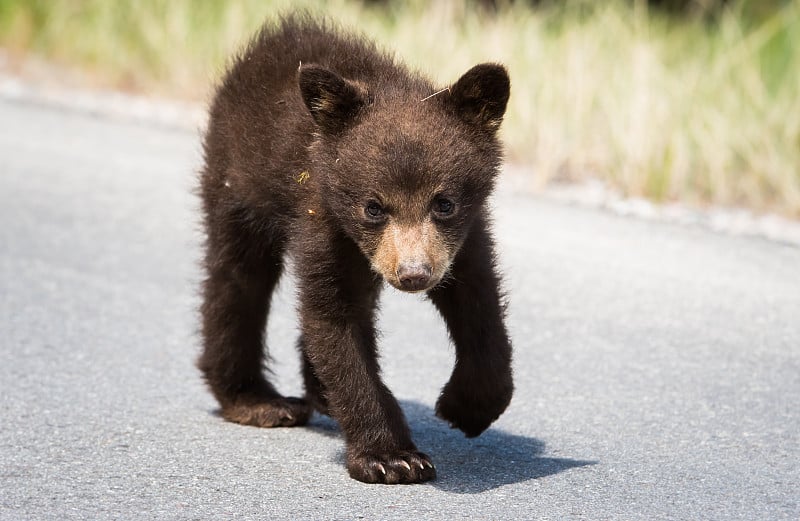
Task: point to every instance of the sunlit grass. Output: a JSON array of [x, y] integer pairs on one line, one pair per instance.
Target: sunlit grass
[[692, 109]]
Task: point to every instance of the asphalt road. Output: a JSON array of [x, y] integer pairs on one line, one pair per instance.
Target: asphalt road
[[657, 366]]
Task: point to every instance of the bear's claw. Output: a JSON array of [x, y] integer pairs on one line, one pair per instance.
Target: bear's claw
[[392, 468]]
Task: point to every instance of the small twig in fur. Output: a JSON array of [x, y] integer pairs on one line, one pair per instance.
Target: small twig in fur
[[436, 93]]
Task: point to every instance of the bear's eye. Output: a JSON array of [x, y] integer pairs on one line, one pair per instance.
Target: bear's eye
[[443, 206], [374, 210]]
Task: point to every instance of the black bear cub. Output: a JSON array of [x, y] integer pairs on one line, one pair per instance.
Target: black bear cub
[[323, 149]]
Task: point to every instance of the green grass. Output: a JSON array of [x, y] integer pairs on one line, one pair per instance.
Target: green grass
[[698, 109]]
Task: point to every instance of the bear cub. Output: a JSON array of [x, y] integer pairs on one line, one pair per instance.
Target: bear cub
[[324, 149]]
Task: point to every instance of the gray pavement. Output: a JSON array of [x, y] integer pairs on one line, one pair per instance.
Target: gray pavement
[[657, 366]]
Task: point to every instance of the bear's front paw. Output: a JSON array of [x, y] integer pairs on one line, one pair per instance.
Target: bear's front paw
[[402, 466], [472, 408]]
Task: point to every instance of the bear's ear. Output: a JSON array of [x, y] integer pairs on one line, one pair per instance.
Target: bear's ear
[[480, 96], [332, 100]]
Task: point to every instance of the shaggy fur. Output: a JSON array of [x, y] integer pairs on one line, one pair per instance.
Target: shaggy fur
[[322, 147]]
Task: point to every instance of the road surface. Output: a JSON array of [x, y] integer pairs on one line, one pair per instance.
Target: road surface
[[657, 366]]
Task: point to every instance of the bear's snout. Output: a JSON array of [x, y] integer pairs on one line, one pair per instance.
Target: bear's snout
[[414, 276], [411, 257]]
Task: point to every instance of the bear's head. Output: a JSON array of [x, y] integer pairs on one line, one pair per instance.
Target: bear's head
[[406, 169]]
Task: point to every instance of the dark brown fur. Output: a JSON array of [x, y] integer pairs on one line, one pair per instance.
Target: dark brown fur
[[343, 164]]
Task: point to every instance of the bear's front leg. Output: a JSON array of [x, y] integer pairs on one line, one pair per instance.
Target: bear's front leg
[[338, 292], [481, 385]]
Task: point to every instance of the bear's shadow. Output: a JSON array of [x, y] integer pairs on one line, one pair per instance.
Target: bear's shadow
[[471, 465]]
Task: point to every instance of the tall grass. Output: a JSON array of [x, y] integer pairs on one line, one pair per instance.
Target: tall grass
[[699, 109]]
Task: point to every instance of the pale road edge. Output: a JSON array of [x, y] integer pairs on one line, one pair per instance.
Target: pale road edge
[[191, 118]]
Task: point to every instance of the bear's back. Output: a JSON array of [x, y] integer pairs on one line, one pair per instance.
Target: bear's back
[[268, 65]]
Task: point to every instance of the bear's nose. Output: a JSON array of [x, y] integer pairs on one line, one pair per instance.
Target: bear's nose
[[414, 277]]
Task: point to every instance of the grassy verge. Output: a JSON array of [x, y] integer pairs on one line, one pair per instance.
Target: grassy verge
[[698, 110]]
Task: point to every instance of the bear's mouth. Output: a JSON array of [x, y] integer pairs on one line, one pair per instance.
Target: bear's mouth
[[395, 283]]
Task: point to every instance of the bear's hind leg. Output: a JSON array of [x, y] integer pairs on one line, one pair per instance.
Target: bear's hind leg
[[315, 391], [242, 271]]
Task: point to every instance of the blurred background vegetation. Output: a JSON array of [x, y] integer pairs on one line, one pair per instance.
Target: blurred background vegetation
[[689, 100]]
